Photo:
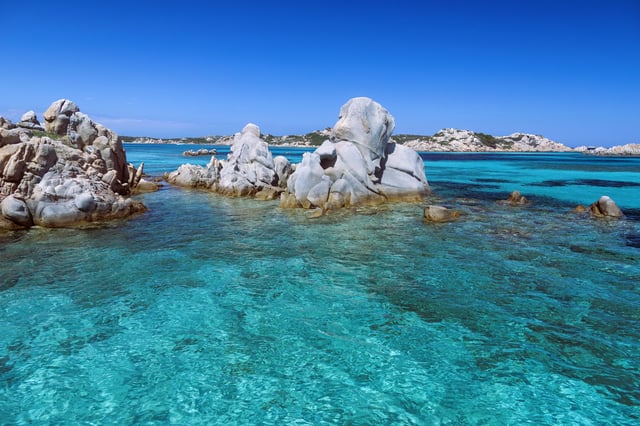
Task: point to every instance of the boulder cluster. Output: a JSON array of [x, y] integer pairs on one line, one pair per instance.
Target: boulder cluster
[[73, 171], [249, 170], [358, 165]]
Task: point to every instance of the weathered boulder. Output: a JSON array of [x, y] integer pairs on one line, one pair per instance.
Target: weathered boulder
[[15, 209], [58, 115], [29, 120], [249, 170], [82, 177], [605, 207], [359, 165], [6, 123], [193, 176], [439, 214], [11, 134]]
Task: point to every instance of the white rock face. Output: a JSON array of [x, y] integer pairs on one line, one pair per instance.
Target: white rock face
[[57, 116], [358, 166], [454, 140], [248, 170], [367, 125]]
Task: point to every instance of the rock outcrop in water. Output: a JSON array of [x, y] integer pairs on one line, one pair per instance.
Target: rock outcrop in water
[[515, 199], [249, 170], [605, 207], [77, 174], [359, 165], [439, 214]]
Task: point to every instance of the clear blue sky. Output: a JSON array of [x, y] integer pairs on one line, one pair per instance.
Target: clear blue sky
[[567, 69]]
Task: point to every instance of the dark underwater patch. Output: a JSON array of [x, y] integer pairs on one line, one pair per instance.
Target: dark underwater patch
[[587, 182], [551, 183], [633, 240], [490, 180], [470, 190]]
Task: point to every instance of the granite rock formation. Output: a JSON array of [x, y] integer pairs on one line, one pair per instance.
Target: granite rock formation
[[359, 165], [249, 170], [79, 177]]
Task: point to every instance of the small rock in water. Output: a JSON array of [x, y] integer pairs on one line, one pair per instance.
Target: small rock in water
[[605, 207], [516, 198], [439, 214]]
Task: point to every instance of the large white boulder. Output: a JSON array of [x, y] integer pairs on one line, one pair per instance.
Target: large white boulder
[[360, 165], [366, 124], [58, 115]]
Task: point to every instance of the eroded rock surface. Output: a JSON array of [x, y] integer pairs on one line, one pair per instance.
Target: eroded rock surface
[[359, 165], [249, 170], [82, 176]]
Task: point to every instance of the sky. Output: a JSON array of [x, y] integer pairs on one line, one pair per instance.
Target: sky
[[565, 69]]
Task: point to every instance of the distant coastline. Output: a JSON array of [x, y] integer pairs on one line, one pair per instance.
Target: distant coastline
[[445, 140]]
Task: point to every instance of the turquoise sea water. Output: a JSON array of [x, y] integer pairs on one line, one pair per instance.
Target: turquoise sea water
[[210, 310]]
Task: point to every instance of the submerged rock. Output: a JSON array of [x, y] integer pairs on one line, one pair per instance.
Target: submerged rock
[[199, 152], [605, 207], [359, 165], [515, 199], [81, 177], [249, 169], [440, 214]]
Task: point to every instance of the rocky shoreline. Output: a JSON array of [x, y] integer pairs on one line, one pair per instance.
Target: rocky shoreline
[[445, 140]]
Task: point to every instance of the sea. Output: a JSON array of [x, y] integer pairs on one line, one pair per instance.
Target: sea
[[208, 310]]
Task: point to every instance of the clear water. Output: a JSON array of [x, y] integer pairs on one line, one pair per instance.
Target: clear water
[[209, 310]]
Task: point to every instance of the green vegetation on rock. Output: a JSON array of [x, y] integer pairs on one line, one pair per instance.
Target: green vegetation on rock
[[43, 134]]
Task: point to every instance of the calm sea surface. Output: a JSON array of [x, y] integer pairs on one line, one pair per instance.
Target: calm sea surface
[[210, 310]]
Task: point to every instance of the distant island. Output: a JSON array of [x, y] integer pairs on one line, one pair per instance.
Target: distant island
[[445, 140]]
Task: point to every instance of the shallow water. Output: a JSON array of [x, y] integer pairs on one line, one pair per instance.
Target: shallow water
[[209, 310]]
